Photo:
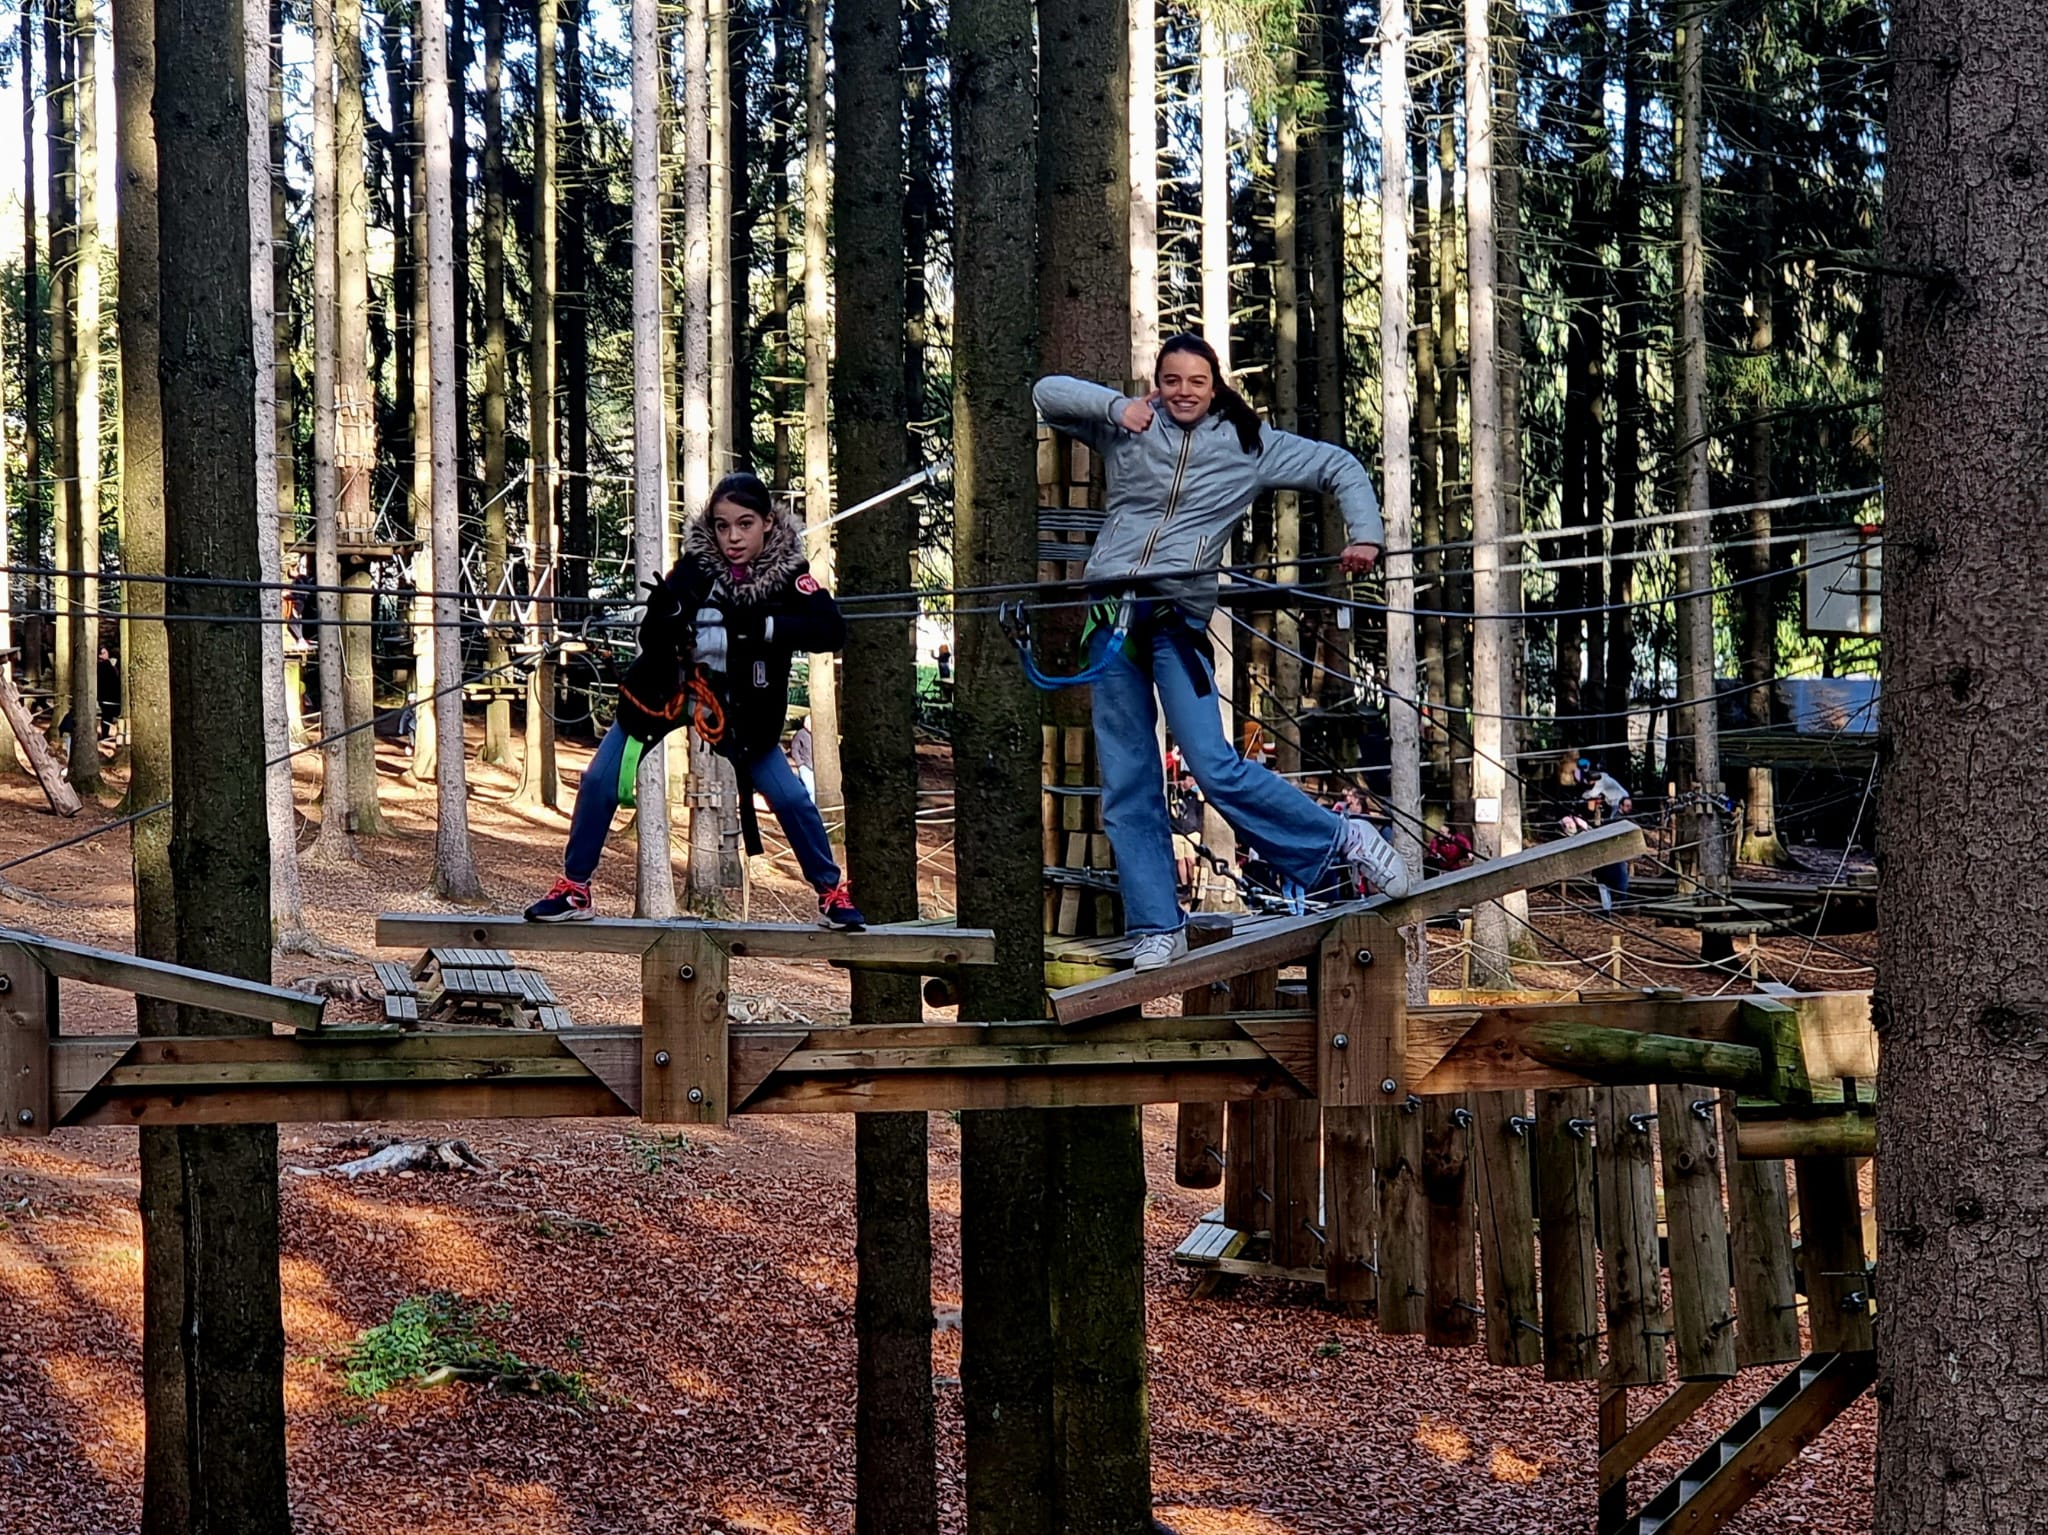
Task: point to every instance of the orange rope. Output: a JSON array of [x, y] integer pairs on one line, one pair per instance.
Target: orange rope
[[707, 715]]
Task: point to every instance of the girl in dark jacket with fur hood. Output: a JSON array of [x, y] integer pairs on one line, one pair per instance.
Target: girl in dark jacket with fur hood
[[715, 651]]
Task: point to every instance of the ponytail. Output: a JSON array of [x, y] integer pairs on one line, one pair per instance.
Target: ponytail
[[1230, 405]]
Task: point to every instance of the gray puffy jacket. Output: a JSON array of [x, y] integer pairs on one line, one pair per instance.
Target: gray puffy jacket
[[1176, 494]]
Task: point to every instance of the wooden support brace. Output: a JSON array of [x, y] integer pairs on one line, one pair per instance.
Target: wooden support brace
[[1565, 1229], [1361, 1014], [1832, 1262], [170, 983], [1198, 1132], [1451, 1313], [1665, 1419], [56, 788], [683, 1045], [1774, 1029], [1636, 1320], [1501, 1127], [1835, 1135], [1760, 1253], [28, 1015], [1702, 1322]]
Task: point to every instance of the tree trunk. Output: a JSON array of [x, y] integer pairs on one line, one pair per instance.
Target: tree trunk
[[281, 817], [1286, 674], [336, 843], [1142, 112], [145, 659], [1404, 724], [572, 309], [36, 593], [1006, 1368], [1507, 179], [84, 552], [1433, 493], [713, 788], [355, 423], [539, 782], [1696, 680], [824, 694], [59, 119], [785, 23], [285, 499], [1096, 1208], [919, 216], [219, 1349], [1491, 634], [458, 202], [1961, 1388], [1628, 410], [1582, 481], [654, 894], [420, 504], [1216, 891], [497, 747], [455, 876], [739, 224], [894, 1427], [400, 85], [1454, 587], [717, 93]]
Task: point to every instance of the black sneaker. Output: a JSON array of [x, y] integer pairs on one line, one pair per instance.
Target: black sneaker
[[569, 901], [836, 909]]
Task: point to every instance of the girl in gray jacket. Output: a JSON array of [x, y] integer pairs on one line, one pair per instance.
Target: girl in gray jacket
[[1183, 466]]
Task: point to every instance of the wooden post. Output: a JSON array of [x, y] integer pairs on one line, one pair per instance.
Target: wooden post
[[1636, 1323], [1404, 1245], [1564, 1224], [1350, 1208], [1760, 1251], [1831, 1256], [1361, 1002], [1702, 1324], [28, 1013], [1297, 1186], [1451, 1314], [1613, 1507], [1248, 1149], [1501, 1129], [1198, 1133], [683, 1051]]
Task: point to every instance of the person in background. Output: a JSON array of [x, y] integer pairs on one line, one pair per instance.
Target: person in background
[[1602, 798], [802, 756], [1187, 832]]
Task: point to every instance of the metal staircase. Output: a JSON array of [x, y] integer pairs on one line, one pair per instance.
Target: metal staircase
[[1736, 1466]]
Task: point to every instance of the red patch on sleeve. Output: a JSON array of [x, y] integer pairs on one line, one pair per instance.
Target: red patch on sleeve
[[808, 585]]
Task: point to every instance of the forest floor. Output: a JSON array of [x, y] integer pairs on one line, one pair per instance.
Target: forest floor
[[702, 1288]]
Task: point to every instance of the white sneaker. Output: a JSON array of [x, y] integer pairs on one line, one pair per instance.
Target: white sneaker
[[1364, 846], [1156, 949]]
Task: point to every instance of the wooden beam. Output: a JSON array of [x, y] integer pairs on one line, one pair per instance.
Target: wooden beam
[[1702, 1323], [1623, 1056], [1286, 942], [28, 1012], [1832, 1261], [1403, 1217], [1627, 1193], [1507, 1235], [906, 945], [1361, 1013], [56, 789], [683, 1050], [1565, 1227], [1198, 1127], [1450, 1316], [1665, 1419], [170, 983], [1836, 1135]]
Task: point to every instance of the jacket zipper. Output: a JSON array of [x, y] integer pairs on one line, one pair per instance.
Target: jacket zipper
[[1187, 441]]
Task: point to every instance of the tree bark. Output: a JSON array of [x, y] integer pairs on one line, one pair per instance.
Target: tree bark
[[785, 23], [336, 842], [284, 502], [1218, 835], [1696, 614], [36, 592], [919, 216], [1404, 724], [355, 424], [1960, 1389], [1491, 634], [824, 694], [455, 876], [287, 905], [654, 894], [1454, 588], [222, 1471], [145, 660], [894, 1425], [572, 309], [59, 118], [84, 551], [497, 744], [1628, 410], [1006, 1375], [1286, 674], [1142, 113], [1096, 1208], [540, 783]]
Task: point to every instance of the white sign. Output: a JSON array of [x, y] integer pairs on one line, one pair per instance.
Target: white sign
[[1486, 812]]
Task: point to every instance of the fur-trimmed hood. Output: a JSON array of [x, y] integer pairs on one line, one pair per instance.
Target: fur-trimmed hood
[[781, 562]]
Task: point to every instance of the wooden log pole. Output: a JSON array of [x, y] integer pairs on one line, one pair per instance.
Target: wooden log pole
[[1702, 1321], [1502, 1128], [1627, 1181], [1778, 1140], [1451, 1312], [1566, 1231], [56, 788], [1760, 1253], [1198, 1128], [683, 1044], [28, 1013], [1403, 1217], [1832, 1262]]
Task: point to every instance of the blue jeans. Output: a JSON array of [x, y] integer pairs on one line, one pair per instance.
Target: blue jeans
[[598, 798], [1295, 834]]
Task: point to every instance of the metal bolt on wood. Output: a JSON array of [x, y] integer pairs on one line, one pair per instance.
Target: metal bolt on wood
[[1580, 1128], [1461, 1117], [25, 1117], [6, 984], [1340, 1041], [661, 1057], [1520, 1124], [686, 972], [696, 1095], [1365, 956], [1388, 1085]]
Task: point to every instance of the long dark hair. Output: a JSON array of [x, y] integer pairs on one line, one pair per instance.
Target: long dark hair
[[1230, 405], [743, 489]]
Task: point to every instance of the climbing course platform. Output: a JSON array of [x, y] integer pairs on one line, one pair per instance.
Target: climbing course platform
[[1413, 1158]]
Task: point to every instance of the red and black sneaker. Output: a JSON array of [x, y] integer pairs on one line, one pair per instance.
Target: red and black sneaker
[[569, 901], [836, 909]]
